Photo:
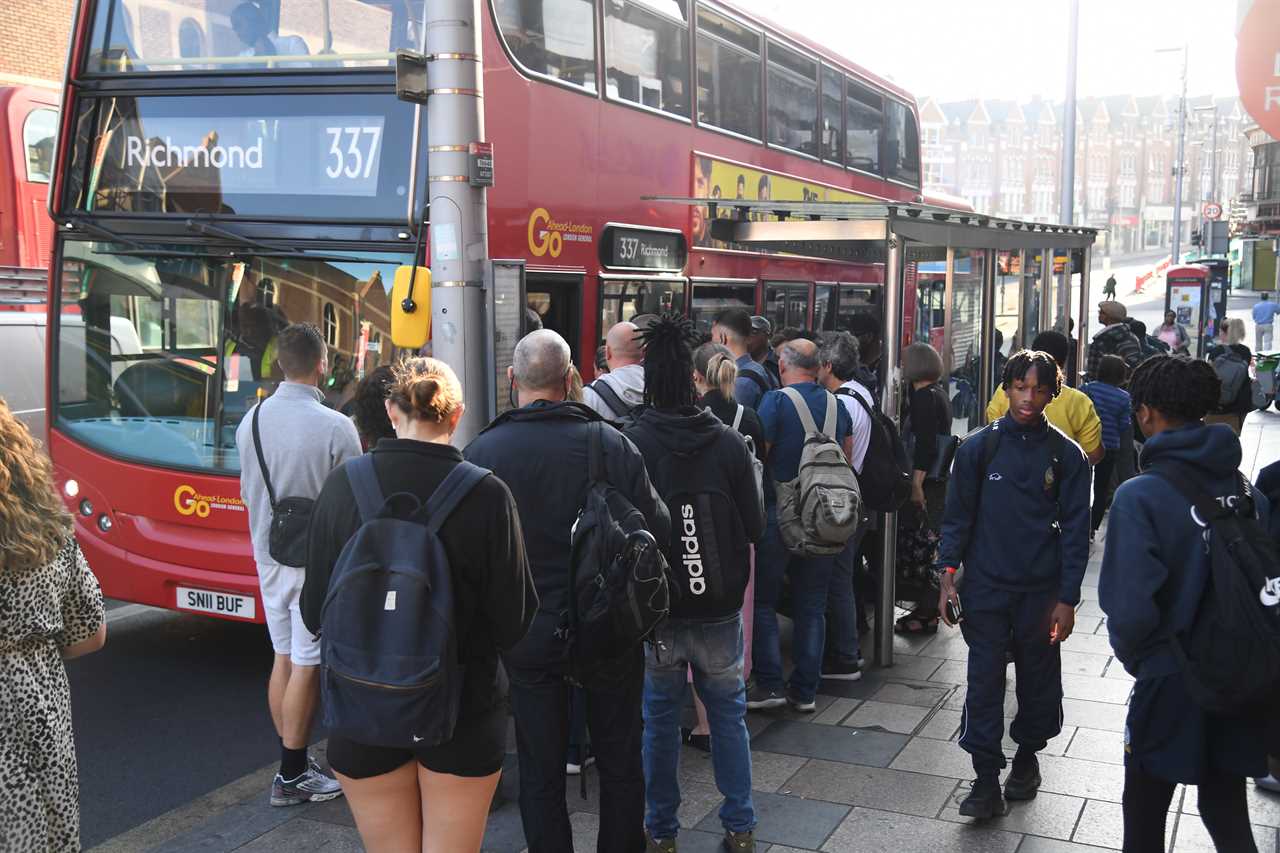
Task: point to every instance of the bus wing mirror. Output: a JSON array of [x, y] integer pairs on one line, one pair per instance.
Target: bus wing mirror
[[411, 76], [411, 309]]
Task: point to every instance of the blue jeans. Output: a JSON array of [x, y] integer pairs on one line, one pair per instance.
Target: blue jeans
[[714, 651], [810, 579], [842, 606]]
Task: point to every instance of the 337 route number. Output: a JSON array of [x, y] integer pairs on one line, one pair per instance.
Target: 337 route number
[[353, 151]]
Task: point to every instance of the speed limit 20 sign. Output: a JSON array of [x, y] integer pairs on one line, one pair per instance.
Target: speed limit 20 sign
[[1211, 210]]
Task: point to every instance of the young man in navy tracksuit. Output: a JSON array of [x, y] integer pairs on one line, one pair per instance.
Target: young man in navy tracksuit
[[1017, 519], [1154, 575]]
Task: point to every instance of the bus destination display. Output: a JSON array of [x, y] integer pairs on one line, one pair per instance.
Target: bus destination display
[[642, 248], [296, 155]]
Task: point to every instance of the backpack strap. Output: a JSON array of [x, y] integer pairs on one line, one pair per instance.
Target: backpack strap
[[765, 387], [364, 485], [596, 470], [830, 421], [806, 417], [1206, 508], [262, 460], [611, 399], [445, 499], [737, 418]]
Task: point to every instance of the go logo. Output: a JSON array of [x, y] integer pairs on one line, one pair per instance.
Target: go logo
[[542, 240], [188, 502]]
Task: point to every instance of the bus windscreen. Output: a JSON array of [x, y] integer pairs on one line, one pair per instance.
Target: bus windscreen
[[150, 36]]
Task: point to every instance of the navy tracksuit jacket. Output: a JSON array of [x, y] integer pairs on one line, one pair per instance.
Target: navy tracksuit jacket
[[1023, 540]]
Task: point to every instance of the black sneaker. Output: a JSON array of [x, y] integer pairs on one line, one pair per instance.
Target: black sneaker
[[984, 801], [842, 669], [760, 698], [801, 705], [1024, 779]]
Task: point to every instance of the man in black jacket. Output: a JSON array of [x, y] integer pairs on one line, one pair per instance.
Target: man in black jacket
[[540, 451], [705, 474]]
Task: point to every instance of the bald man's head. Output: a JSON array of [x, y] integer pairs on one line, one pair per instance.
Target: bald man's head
[[541, 363], [622, 346], [798, 361]]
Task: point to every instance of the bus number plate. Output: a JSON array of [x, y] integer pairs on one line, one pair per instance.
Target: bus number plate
[[217, 603]]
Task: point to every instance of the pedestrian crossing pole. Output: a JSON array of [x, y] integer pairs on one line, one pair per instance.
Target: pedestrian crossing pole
[[458, 210]]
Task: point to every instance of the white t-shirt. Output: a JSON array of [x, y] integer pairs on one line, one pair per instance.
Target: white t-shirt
[[861, 421]]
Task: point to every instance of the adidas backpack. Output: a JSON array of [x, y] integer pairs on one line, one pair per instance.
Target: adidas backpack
[[390, 674], [885, 480], [819, 511], [1230, 656]]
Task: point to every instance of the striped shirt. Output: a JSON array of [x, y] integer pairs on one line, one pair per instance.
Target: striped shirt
[[1114, 411]]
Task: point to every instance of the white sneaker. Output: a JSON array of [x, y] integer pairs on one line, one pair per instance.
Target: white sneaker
[[313, 786]]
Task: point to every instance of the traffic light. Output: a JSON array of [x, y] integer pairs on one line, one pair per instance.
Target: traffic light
[[1195, 238]]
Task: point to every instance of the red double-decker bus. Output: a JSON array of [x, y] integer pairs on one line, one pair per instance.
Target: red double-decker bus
[[225, 168]]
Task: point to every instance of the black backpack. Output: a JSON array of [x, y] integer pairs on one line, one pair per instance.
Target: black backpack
[[886, 470], [623, 414], [710, 560], [391, 675], [618, 588], [1230, 656], [290, 517]]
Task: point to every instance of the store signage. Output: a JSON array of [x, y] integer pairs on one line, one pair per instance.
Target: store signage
[[1258, 63], [641, 248]]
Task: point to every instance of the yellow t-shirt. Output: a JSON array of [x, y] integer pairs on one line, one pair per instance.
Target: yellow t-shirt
[[1071, 411]]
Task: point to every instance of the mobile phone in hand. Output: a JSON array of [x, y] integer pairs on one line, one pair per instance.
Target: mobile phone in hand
[[955, 613]]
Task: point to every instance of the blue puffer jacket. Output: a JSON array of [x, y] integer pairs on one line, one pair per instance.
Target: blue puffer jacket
[[1156, 563]]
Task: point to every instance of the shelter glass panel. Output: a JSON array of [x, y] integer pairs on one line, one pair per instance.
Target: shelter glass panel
[[1008, 311], [963, 357]]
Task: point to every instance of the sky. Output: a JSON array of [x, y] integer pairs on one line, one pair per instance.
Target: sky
[[957, 49]]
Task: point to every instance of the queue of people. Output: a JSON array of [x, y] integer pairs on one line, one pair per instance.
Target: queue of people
[[697, 453]]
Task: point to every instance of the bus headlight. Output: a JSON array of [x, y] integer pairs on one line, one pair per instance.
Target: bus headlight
[[71, 488], [104, 523], [86, 508]]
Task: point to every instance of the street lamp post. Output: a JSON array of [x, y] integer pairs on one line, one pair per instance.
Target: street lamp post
[[1066, 205], [1178, 168], [1205, 227]]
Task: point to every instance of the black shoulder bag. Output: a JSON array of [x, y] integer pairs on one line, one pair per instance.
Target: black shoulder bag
[[290, 517]]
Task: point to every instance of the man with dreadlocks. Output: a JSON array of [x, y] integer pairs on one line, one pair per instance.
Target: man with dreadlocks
[[1017, 519], [703, 470], [1154, 574]]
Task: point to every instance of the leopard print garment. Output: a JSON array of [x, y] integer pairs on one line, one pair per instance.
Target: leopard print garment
[[40, 612]]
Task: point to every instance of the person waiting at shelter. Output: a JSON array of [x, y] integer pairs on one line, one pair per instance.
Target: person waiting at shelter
[[838, 357], [1072, 411], [1017, 520], [1154, 575], [928, 419], [369, 410], [540, 450], [705, 474], [618, 392], [761, 345], [432, 797], [810, 576], [288, 444], [1115, 413], [1173, 334], [732, 329], [1114, 338]]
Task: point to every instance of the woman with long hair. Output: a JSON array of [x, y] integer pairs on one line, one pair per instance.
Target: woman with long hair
[[50, 611], [920, 519], [411, 798]]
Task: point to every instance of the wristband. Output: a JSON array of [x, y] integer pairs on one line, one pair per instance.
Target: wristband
[[951, 570]]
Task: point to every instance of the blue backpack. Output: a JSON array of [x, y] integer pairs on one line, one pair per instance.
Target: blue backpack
[[388, 639]]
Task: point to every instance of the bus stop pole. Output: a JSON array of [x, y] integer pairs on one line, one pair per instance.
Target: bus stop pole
[[986, 379], [889, 404], [459, 218], [1082, 322], [1046, 289]]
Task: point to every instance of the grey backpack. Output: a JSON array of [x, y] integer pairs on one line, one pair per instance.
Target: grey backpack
[[1233, 373], [757, 467], [819, 511]]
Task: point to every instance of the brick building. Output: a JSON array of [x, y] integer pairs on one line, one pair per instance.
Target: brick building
[[34, 34], [1005, 158]]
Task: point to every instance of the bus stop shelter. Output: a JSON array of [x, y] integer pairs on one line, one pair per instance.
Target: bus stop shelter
[[975, 287]]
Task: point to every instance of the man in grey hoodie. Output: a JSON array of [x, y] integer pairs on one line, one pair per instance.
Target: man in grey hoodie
[[302, 440], [615, 394]]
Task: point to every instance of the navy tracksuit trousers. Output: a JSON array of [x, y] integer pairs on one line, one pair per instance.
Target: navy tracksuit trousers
[[993, 620]]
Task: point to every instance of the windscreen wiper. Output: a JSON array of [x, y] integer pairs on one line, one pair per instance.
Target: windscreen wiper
[[262, 249], [101, 231]]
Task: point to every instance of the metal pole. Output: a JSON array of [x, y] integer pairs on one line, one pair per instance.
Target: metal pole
[[986, 379], [1046, 289], [1213, 183], [1082, 322], [1066, 209], [459, 218], [889, 404], [1182, 141]]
